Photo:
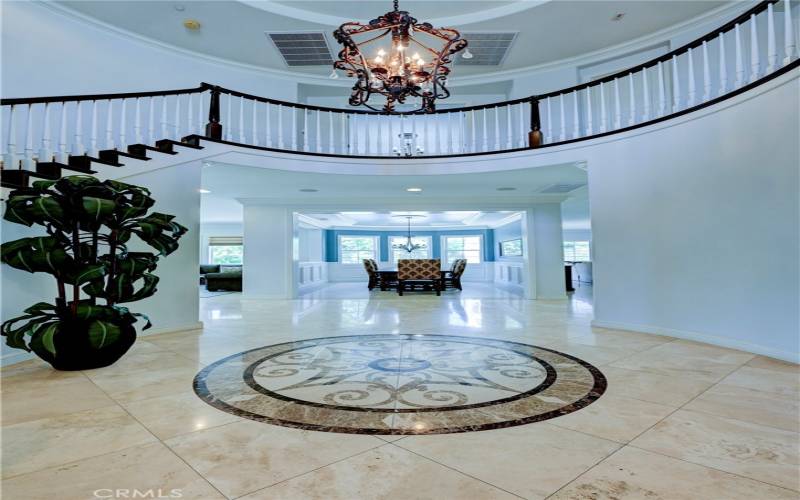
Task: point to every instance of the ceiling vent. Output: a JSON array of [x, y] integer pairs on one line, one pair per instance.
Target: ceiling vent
[[487, 49], [561, 188], [302, 49]]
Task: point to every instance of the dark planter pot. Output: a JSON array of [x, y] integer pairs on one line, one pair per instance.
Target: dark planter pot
[[74, 352]]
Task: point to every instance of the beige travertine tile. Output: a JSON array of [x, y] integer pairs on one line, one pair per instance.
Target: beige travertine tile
[[244, 456], [24, 401], [615, 418], [751, 405], [635, 474], [647, 386], [743, 448], [131, 385], [774, 364], [531, 461], [782, 382], [150, 469], [385, 472], [597, 356], [175, 414], [44, 443]]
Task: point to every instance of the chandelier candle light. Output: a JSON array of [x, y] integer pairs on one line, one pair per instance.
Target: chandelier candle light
[[406, 67], [409, 246]]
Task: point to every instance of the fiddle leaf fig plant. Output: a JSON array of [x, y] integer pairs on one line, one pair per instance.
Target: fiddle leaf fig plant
[[89, 225]]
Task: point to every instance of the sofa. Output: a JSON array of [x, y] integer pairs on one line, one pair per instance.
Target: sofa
[[221, 277]]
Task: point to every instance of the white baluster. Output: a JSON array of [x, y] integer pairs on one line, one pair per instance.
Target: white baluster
[[305, 129], [789, 43], [392, 137], [496, 128], [772, 50], [164, 117], [354, 134], [549, 135], [254, 133], [646, 99], [318, 115], [110, 125], [755, 55], [676, 85], [79, 148], [662, 96], [189, 114], [367, 138], [723, 66], [11, 141], [29, 165], [294, 128], [413, 135], [63, 152], [450, 131], [509, 135], [691, 98], [617, 108], [137, 126], [379, 136], [632, 99], [151, 120], [343, 130], [93, 138], [425, 120], [331, 145], [281, 144], [485, 133], [523, 134], [229, 122], [46, 152], [603, 115], [241, 120], [123, 124], [706, 74], [589, 130], [562, 136], [200, 115], [268, 125], [177, 127], [576, 121], [739, 63]]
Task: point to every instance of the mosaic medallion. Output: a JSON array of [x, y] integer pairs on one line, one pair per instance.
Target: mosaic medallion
[[400, 384]]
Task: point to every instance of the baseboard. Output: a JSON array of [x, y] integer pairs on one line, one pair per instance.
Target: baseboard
[[792, 357], [198, 325]]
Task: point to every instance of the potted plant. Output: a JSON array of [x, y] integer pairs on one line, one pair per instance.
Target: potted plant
[[89, 224]]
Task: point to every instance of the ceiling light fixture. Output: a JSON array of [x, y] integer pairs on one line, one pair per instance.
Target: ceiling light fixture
[[414, 190], [467, 54], [409, 246], [618, 16], [192, 24], [506, 189], [203, 191], [404, 66], [308, 190]]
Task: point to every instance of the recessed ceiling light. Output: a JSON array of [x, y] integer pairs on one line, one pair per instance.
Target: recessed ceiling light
[[308, 190], [179, 7], [191, 24], [618, 16], [414, 190], [506, 189], [203, 191], [322, 218]]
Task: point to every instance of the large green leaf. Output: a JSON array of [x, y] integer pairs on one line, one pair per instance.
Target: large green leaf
[[103, 333], [81, 274], [98, 209], [39, 254], [47, 209], [148, 288], [44, 336]]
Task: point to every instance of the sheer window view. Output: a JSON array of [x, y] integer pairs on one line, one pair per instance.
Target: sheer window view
[[511, 248], [463, 247], [420, 253], [577, 251], [225, 254], [354, 249]]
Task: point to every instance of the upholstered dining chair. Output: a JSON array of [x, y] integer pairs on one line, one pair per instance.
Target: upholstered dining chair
[[372, 272], [419, 272], [452, 278]]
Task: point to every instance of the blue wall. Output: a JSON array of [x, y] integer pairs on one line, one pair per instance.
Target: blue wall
[[332, 243], [510, 231]]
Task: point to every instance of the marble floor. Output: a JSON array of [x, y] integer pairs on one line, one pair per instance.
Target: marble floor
[[677, 419]]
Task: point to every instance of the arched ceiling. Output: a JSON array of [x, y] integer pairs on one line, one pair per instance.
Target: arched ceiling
[[548, 31]]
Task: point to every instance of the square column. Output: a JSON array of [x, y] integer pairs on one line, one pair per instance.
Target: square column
[[543, 250], [270, 257]]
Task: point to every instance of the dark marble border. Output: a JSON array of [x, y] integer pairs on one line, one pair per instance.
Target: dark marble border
[[597, 390]]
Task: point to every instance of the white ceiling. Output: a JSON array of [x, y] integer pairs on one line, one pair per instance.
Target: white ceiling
[[421, 219], [548, 30]]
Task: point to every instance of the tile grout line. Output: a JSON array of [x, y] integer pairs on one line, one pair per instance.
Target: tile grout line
[[457, 471]]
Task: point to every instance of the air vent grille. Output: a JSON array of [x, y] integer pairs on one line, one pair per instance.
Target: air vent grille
[[561, 188], [488, 49], [303, 49]]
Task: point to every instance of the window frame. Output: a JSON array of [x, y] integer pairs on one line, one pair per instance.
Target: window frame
[[573, 242], [481, 249], [429, 242], [375, 252]]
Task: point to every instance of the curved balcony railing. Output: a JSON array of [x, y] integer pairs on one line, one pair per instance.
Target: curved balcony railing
[[758, 45]]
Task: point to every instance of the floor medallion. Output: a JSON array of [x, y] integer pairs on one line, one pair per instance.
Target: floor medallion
[[400, 384]]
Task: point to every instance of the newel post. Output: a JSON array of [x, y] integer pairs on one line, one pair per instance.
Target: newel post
[[214, 127], [535, 133]]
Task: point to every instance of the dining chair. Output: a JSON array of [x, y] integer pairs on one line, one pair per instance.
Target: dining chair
[[419, 273]]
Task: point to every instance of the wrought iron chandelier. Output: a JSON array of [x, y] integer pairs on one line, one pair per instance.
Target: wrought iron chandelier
[[402, 68], [409, 246]]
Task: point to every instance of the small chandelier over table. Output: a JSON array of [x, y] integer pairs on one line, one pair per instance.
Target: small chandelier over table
[[409, 246], [399, 65]]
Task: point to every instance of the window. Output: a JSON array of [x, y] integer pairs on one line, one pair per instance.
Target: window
[[354, 249], [511, 248], [462, 247], [225, 250], [420, 253], [577, 251]]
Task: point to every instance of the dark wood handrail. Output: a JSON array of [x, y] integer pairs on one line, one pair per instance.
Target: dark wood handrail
[[100, 97]]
